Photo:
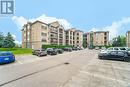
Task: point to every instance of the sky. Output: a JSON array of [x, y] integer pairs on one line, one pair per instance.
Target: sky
[[85, 15]]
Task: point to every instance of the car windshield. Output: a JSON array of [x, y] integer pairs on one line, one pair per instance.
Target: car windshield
[[5, 54], [122, 48]]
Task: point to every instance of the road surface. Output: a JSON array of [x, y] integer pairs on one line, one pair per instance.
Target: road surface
[[72, 69]]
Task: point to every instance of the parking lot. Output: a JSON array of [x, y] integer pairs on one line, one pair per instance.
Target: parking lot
[[70, 69]]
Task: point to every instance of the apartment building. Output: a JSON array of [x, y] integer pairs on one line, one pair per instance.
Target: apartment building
[[56, 33], [74, 37], [35, 34], [128, 38], [98, 38]]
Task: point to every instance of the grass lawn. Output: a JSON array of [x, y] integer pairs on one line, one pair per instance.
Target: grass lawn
[[17, 51]]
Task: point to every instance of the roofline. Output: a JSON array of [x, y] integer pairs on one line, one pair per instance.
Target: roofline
[[38, 21], [98, 31]]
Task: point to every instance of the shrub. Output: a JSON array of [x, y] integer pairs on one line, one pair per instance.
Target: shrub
[[55, 46]]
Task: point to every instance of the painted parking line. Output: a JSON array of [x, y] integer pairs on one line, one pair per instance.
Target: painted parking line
[[104, 77], [19, 62]]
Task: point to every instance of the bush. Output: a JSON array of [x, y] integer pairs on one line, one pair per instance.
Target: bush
[[55, 46]]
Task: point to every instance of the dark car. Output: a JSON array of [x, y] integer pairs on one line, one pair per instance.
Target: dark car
[[59, 51], [51, 51], [116, 55], [6, 57], [74, 48], [40, 52], [68, 49]]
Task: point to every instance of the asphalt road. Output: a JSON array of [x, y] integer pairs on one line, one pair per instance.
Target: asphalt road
[[73, 69]]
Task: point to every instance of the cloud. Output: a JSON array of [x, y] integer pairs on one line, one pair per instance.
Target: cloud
[[14, 36], [20, 21], [115, 28], [16, 41]]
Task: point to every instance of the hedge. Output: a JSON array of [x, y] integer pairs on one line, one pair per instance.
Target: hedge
[[55, 46]]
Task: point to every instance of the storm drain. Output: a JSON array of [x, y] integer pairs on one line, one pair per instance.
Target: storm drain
[[66, 63]]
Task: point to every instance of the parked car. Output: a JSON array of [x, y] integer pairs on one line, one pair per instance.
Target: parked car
[[116, 49], [103, 48], [68, 49], [51, 51], [6, 57], [40, 52], [97, 48], [114, 54], [74, 48], [80, 48], [60, 51]]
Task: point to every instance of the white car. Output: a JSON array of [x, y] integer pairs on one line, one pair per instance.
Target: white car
[[116, 49]]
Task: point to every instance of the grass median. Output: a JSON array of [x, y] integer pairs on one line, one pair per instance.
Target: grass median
[[18, 51]]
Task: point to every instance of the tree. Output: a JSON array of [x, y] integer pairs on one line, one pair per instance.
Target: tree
[[123, 41], [119, 41], [8, 41], [1, 39], [84, 42]]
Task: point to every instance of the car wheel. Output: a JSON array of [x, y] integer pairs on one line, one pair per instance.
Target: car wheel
[[100, 57], [39, 55], [126, 59]]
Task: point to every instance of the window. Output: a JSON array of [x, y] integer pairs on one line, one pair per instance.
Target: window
[[70, 37], [44, 34], [105, 33], [116, 49], [121, 53], [24, 34], [28, 39], [44, 40], [5, 54], [44, 27], [122, 49], [28, 33], [97, 34], [24, 40]]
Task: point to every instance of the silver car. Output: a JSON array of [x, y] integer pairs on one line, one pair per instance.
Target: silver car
[[40, 52]]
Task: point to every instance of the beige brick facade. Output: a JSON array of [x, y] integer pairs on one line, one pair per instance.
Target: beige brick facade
[[74, 37], [99, 38], [34, 35]]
